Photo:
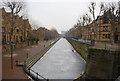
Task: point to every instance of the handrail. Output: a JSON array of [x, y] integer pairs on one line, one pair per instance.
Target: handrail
[[37, 73], [29, 70]]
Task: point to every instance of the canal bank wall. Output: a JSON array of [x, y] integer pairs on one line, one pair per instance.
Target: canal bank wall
[[81, 48], [103, 64]]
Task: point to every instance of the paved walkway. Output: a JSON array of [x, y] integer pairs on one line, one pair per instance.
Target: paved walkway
[[20, 55], [60, 62], [106, 45]]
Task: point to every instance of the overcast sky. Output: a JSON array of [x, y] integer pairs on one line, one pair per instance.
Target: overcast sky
[[58, 14]]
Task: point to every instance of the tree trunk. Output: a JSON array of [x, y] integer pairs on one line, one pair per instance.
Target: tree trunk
[[11, 46]]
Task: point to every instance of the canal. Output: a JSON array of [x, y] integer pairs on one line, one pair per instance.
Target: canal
[[60, 62]]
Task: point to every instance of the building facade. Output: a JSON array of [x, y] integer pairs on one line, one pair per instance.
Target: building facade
[[100, 30], [21, 29]]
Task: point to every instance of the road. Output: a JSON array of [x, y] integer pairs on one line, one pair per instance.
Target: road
[[60, 62]]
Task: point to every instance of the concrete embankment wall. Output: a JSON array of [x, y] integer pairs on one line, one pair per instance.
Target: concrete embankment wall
[[81, 48], [102, 64]]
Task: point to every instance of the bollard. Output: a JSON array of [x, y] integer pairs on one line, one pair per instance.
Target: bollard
[[26, 55], [29, 70], [37, 76], [16, 62], [25, 64]]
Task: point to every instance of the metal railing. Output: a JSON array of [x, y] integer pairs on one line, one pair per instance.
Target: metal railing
[[34, 75], [28, 63]]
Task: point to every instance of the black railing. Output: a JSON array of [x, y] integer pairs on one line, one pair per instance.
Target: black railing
[[34, 75], [29, 62]]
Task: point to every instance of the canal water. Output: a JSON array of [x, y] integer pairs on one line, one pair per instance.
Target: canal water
[[60, 62]]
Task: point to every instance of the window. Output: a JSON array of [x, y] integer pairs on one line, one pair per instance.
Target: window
[[103, 35], [21, 38], [17, 30], [106, 35], [105, 28], [3, 29], [3, 39], [2, 20], [17, 39], [92, 30]]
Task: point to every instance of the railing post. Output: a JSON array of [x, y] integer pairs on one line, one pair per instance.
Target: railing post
[[25, 63], [37, 76], [26, 55], [29, 70], [16, 62]]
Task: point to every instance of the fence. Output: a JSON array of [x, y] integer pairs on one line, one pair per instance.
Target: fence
[[34, 75]]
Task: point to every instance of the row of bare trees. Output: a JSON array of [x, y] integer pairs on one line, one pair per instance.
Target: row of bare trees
[[18, 7], [111, 11], [43, 33]]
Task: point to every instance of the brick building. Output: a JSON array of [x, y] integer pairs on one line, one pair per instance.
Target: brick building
[[20, 33], [46, 34], [106, 31], [101, 30]]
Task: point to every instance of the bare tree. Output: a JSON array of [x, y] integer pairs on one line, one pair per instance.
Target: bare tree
[[82, 20], [92, 9], [15, 6], [102, 8], [118, 12], [111, 17], [87, 19], [88, 22]]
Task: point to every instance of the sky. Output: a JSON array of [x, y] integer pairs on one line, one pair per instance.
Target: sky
[[58, 14]]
